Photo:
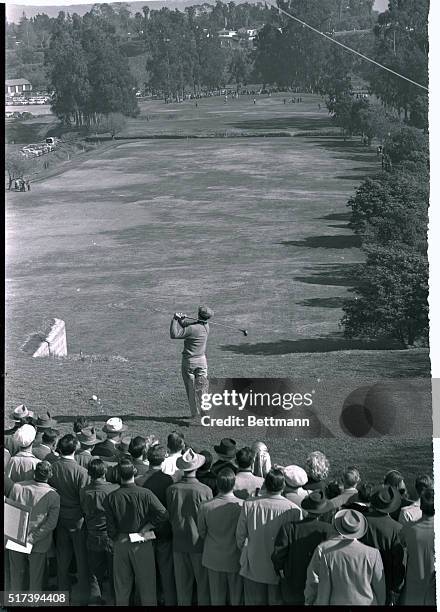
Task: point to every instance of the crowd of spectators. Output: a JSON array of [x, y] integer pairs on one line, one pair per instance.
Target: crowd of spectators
[[125, 520]]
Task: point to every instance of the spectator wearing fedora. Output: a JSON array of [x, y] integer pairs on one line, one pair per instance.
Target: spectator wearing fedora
[[394, 478], [343, 571], [194, 363], [295, 478], [295, 545], [383, 533], [156, 481], [87, 439], [413, 512], [46, 449], [418, 540], [205, 475], [226, 452], [217, 524], [184, 499], [175, 445], [107, 449], [132, 510], [246, 484], [21, 465], [20, 416], [69, 479], [99, 545], [260, 521], [28, 570], [43, 423]]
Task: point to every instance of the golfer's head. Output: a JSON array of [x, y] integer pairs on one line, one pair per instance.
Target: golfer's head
[[205, 313]]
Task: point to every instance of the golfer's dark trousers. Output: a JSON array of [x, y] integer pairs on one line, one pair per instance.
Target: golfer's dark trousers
[[133, 564], [71, 540]]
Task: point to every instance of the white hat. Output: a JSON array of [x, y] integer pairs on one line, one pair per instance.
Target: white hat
[[25, 435], [114, 425], [21, 412], [295, 476]]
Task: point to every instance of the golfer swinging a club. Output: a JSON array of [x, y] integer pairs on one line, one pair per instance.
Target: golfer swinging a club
[[194, 333]]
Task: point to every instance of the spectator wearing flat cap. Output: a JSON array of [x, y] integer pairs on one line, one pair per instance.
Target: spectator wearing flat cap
[[260, 521], [87, 439], [184, 499], [343, 571], [28, 570], [217, 524], [295, 544], [107, 449], [20, 416], [99, 545], [295, 478], [226, 452], [21, 466], [194, 363], [132, 510], [383, 533], [44, 422], [246, 483], [46, 449], [418, 539], [69, 479]]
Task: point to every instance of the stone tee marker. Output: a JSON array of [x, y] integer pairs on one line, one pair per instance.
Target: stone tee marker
[[51, 342]]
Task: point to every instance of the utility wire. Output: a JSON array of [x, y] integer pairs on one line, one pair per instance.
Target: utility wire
[[336, 42]]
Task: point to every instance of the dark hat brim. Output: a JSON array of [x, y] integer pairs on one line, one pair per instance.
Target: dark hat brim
[[230, 452]]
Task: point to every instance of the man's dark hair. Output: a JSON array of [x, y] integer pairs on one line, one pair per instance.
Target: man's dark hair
[[126, 469], [427, 501], [333, 489], [423, 481], [28, 420], [351, 477], [97, 468], [43, 471], [137, 447], [49, 436], [244, 457], [156, 455], [80, 422], [225, 480], [208, 460], [365, 489], [67, 444], [393, 478], [175, 442], [275, 481]]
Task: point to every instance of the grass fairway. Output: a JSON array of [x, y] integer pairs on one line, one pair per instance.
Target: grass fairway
[[255, 227]]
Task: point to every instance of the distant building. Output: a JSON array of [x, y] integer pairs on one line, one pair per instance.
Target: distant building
[[17, 86]]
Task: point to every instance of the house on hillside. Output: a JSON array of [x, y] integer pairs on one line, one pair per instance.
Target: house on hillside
[[17, 86]]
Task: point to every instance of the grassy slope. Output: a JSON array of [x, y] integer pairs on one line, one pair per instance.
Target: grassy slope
[[255, 227]]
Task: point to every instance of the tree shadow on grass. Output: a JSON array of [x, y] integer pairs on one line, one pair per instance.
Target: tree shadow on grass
[[332, 302], [346, 216], [312, 345], [282, 122], [180, 421], [333, 275], [354, 177], [327, 242]]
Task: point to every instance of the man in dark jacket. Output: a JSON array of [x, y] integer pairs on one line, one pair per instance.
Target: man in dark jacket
[[132, 512], [194, 364], [295, 545], [107, 449]]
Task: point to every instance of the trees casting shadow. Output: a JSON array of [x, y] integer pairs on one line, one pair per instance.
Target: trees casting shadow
[[312, 345]]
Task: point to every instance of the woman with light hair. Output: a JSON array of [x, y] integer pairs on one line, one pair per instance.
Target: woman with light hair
[[262, 463], [317, 468]]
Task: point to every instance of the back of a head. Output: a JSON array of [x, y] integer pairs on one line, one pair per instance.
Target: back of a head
[[49, 437], [427, 501], [175, 442], [43, 471], [423, 481], [67, 444], [317, 466], [137, 447], [80, 423], [351, 477], [127, 470], [333, 489], [208, 460], [97, 468], [393, 478], [365, 490], [156, 455], [274, 481], [244, 457], [225, 480]]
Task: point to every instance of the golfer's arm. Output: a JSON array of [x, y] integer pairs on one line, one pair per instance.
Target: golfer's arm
[[177, 331]]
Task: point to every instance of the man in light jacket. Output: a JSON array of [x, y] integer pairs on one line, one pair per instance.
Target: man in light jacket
[[45, 504]]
